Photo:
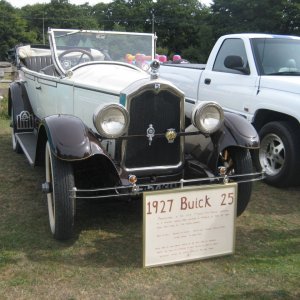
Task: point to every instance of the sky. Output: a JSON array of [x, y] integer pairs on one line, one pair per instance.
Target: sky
[[20, 3]]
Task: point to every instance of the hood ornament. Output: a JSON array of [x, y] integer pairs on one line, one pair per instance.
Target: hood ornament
[[154, 67], [150, 133]]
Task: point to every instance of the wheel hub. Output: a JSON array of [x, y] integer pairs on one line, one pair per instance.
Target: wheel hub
[[272, 154]]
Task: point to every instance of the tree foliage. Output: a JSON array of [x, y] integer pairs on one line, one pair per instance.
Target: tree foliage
[[13, 29], [183, 27], [268, 16]]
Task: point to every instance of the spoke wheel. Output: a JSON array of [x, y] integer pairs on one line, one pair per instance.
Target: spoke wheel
[[238, 161], [61, 206]]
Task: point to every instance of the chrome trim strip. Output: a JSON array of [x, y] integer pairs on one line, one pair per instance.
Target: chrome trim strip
[[155, 168]]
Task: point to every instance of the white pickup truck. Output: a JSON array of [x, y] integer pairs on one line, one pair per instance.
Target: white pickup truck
[[256, 76]]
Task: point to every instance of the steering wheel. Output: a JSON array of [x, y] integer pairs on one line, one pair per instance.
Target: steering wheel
[[69, 63]]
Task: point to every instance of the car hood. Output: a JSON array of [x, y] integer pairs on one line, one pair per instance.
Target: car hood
[[111, 78], [289, 84]]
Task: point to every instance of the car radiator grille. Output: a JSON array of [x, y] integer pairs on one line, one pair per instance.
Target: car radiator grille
[[162, 110]]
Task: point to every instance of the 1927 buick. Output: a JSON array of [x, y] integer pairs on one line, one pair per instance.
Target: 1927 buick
[[92, 108]]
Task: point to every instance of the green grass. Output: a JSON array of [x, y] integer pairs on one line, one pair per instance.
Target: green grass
[[3, 110], [104, 260]]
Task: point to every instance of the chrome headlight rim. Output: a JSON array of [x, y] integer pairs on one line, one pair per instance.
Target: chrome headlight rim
[[102, 111], [199, 112]]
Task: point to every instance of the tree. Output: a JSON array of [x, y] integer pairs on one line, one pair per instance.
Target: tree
[[13, 29], [269, 16], [181, 26], [58, 14]]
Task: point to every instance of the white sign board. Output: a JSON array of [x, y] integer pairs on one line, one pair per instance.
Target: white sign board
[[188, 224]]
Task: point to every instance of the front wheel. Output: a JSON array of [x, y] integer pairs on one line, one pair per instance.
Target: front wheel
[[238, 161], [61, 206], [278, 153]]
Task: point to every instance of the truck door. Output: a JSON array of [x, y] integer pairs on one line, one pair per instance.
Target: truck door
[[234, 89]]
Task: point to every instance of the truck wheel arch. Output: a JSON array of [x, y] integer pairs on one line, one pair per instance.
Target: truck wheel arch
[[264, 116]]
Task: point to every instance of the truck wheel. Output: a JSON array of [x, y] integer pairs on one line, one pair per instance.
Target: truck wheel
[[239, 161], [277, 155], [61, 207], [15, 144]]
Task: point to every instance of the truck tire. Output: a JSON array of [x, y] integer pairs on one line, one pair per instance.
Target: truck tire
[[277, 156], [239, 161], [15, 144], [61, 207]]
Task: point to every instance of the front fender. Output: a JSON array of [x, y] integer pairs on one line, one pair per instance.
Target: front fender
[[236, 131], [72, 141], [69, 138]]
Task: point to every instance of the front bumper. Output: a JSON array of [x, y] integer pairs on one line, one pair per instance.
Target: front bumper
[[134, 190]]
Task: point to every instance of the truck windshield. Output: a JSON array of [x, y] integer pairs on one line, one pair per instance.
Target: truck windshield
[[74, 47], [277, 56]]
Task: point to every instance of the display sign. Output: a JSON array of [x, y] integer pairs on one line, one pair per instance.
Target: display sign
[[188, 224]]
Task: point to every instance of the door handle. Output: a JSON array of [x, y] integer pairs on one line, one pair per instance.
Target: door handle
[[38, 87], [207, 80]]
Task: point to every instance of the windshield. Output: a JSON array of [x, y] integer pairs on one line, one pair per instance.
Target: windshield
[[74, 47], [277, 56]]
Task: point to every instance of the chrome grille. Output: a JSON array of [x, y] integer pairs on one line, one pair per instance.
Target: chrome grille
[[162, 110]]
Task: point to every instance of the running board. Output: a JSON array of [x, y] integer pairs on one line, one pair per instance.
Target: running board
[[27, 141]]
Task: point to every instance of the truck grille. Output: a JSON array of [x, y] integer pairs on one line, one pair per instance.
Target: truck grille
[[162, 110]]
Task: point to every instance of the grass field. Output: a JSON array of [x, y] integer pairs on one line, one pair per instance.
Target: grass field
[[104, 260]]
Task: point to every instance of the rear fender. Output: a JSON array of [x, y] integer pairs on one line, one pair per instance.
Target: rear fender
[[19, 103]]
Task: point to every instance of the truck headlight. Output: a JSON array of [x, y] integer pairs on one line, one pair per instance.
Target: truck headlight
[[207, 117], [111, 120]]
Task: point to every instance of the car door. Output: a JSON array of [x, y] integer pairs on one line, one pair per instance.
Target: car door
[[55, 96], [234, 90]]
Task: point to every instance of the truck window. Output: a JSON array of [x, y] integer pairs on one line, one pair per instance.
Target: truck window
[[230, 47], [277, 56]]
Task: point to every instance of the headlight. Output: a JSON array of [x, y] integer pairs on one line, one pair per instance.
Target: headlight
[[111, 120], [207, 117]]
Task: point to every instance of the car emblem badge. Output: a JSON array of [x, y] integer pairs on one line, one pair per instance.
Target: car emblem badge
[[150, 133], [24, 120], [171, 135]]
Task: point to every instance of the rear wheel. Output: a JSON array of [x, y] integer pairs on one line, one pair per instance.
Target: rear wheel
[[278, 153], [238, 161], [61, 206]]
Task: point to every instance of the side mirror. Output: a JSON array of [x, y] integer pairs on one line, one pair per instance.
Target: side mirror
[[235, 62]]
